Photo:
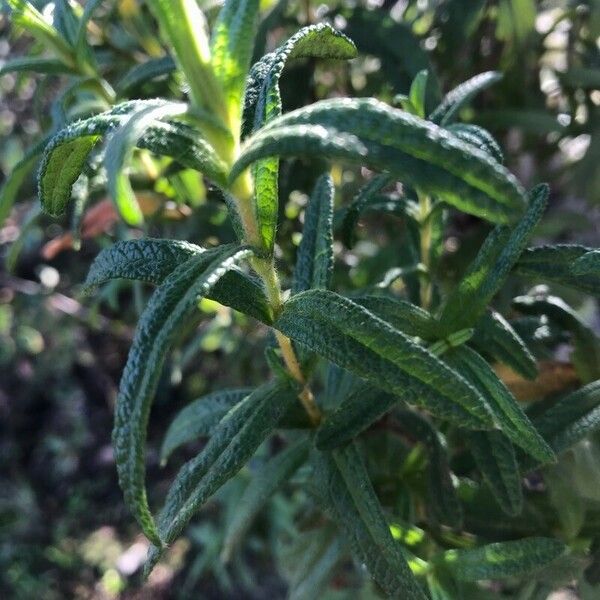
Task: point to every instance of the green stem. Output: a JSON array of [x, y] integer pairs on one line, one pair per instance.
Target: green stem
[[425, 235]]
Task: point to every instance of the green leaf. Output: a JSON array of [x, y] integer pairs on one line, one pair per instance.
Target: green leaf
[[488, 272], [234, 441], [171, 305], [314, 263], [572, 418], [143, 72], [231, 47], [262, 486], [461, 95], [358, 204], [586, 353], [15, 179], [355, 339], [81, 43], [360, 408], [263, 103], [347, 492], [416, 95], [509, 415], [479, 137], [152, 260], [47, 66], [495, 336], [415, 151], [403, 315], [442, 498], [564, 264], [68, 151], [496, 460], [199, 418], [502, 559]]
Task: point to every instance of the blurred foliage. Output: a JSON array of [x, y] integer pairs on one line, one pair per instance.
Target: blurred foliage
[[61, 355]]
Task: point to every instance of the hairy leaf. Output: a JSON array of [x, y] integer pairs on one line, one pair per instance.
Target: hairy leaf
[[314, 263], [152, 260], [199, 418], [461, 95], [495, 458], [480, 137], [232, 444], [502, 559], [495, 336], [416, 151], [572, 418], [562, 264], [487, 273], [355, 339], [262, 486], [349, 496], [68, 151], [511, 418], [171, 305]]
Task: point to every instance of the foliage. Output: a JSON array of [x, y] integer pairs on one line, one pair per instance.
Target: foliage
[[399, 422]]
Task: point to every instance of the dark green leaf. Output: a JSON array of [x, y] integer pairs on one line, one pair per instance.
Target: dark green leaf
[[47, 66], [199, 418], [171, 305], [314, 263], [146, 71], [152, 260], [487, 273], [562, 264], [480, 137], [353, 338], [496, 460], [262, 486], [461, 95], [347, 493], [417, 152], [232, 444], [503, 559]]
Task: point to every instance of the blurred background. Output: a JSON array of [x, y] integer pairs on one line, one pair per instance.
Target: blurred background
[[64, 532]]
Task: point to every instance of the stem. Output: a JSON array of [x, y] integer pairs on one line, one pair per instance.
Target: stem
[[425, 235]]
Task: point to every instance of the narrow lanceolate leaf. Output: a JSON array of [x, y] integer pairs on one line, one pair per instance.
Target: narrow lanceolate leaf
[[349, 496], [487, 273], [480, 137], [355, 339], [199, 418], [442, 498], [152, 260], [81, 45], [417, 152], [408, 318], [572, 418], [119, 150], [509, 415], [355, 208], [461, 95], [171, 305], [231, 49], [263, 104], [495, 336], [232, 444], [564, 264], [503, 559], [140, 74], [262, 486], [359, 409], [47, 66], [495, 458], [15, 179], [314, 263], [586, 354], [68, 151]]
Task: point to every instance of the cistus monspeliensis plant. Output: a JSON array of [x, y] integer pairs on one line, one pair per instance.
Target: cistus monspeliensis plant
[[396, 413]]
